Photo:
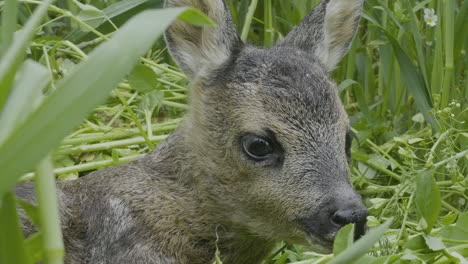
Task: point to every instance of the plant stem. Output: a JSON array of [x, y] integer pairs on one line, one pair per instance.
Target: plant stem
[[111, 144], [403, 223], [448, 24], [49, 213], [85, 167], [135, 119]]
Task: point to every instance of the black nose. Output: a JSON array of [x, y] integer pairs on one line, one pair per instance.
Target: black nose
[[356, 216]]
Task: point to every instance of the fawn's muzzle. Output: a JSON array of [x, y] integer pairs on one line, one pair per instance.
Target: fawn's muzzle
[[322, 227], [357, 216]]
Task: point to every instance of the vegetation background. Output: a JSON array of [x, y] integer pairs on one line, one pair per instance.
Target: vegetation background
[[403, 84]]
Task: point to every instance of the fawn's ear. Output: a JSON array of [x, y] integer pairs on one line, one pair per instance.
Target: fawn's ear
[[194, 47], [327, 31]]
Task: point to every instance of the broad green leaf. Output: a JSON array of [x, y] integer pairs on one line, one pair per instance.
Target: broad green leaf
[[459, 231], [143, 79], [78, 93], [433, 243], [283, 258], [25, 97], [151, 101], [92, 18], [33, 245], [363, 245], [344, 239], [427, 198], [416, 243], [31, 210], [11, 237], [195, 17]]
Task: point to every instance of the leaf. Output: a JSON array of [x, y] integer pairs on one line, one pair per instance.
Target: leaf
[[379, 161], [345, 84], [78, 93], [433, 243], [33, 245], [367, 171], [31, 210], [283, 258], [360, 247], [85, 7], [195, 17], [11, 237], [143, 79], [413, 79], [15, 53], [344, 239], [416, 243], [25, 97], [427, 198], [91, 17], [110, 12], [151, 101], [459, 231]]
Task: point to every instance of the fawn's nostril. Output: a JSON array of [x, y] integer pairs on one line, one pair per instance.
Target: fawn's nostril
[[347, 216], [342, 217]]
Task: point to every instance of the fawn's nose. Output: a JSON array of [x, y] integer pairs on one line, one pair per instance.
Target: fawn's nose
[[356, 216]]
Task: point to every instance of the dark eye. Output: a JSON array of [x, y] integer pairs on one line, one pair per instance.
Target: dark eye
[[256, 148]]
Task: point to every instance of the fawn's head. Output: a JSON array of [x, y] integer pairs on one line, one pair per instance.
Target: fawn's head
[[268, 124]]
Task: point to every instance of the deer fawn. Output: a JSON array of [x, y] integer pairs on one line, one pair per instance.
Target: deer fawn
[[262, 155]]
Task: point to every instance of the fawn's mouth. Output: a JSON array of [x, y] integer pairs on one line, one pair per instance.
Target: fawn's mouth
[[322, 244]]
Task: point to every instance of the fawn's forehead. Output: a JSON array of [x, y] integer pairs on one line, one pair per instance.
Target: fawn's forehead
[[290, 84]]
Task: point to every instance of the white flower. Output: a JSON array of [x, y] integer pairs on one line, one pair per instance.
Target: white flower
[[458, 105], [430, 17]]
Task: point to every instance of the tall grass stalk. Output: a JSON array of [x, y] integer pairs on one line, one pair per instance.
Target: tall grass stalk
[[248, 20], [48, 213], [11, 237], [448, 20], [9, 18]]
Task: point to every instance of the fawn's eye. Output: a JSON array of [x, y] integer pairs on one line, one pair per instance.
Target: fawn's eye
[[256, 148]]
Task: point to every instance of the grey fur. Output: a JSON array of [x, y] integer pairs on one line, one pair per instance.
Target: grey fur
[[198, 191]]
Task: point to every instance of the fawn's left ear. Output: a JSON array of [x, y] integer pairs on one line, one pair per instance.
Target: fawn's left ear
[[193, 47], [327, 31]]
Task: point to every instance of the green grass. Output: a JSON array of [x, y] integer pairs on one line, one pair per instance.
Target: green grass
[[403, 84]]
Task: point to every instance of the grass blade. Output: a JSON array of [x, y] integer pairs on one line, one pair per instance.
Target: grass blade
[[11, 237], [15, 53], [414, 80], [361, 246], [24, 98], [9, 16], [48, 213]]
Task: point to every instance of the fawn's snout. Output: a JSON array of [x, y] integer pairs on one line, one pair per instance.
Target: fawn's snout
[[356, 216], [332, 217]]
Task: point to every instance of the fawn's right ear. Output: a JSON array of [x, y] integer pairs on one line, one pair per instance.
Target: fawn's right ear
[[194, 47], [327, 31]]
